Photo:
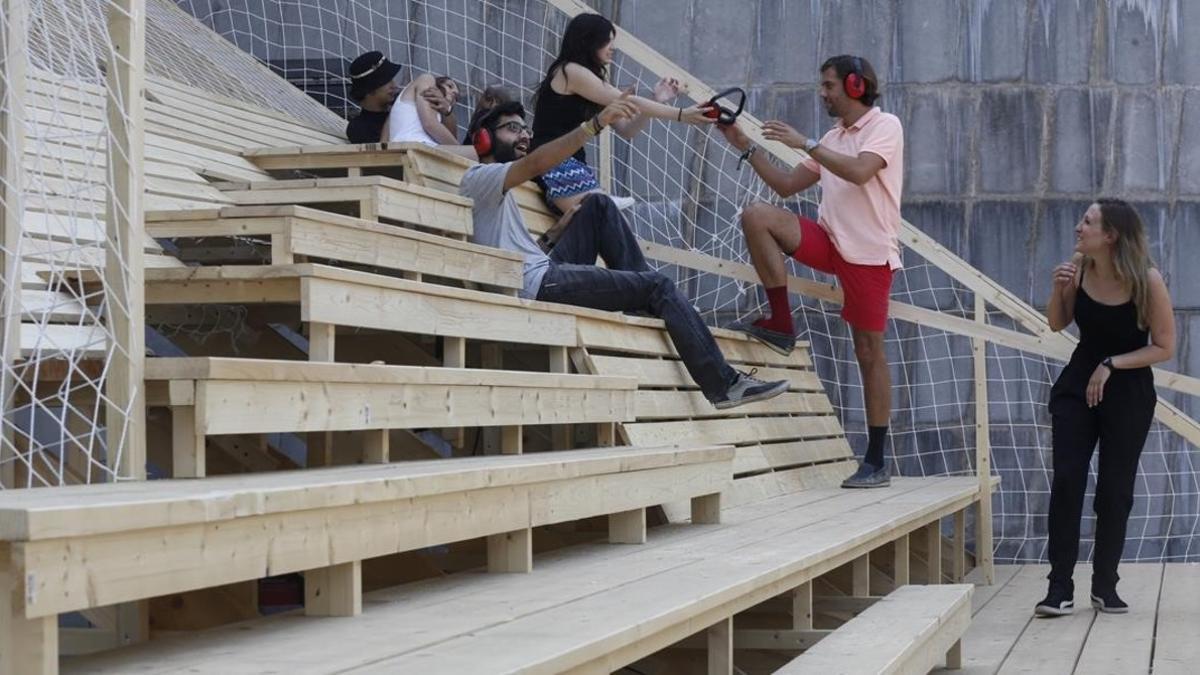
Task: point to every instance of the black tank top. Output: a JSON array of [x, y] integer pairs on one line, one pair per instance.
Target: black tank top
[[556, 114], [1104, 331]]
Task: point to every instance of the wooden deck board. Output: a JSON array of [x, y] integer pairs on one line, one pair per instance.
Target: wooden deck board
[[1177, 644]]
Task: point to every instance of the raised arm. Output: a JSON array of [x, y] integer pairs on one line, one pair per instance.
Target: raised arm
[[552, 154], [583, 82], [1060, 311], [428, 114]]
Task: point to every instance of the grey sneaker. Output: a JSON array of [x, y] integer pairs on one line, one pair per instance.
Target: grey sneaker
[[748, 389], [868, 476], [782, 343]]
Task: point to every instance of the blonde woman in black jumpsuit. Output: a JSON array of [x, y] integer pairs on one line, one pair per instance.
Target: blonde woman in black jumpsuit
[[1120, 303]]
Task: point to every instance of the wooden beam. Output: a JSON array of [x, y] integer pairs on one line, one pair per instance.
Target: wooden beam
[[933, 552], [802, 607], [900, 563], [123, 273], [560, 434], [861, 576], [27, 645], [188, 451], [958, 561], [322, 341], [334, 591], [511, 551], [720, 647], [983, 451], [706, 509], [627, 527], [376, 446], [13, 66]]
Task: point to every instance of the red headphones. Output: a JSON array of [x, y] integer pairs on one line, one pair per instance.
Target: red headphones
[[724, 116], [854, 84], [482, 141]]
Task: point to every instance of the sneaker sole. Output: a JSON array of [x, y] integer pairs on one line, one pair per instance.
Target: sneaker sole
[[1048, 611], [866, 486], [770, 393], [1099, 605], [768, 344]]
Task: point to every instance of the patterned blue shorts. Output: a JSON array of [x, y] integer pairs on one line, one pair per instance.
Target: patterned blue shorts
[[572, 177]]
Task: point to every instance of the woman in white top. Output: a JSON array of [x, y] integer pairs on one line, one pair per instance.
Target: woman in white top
[[423, 113]]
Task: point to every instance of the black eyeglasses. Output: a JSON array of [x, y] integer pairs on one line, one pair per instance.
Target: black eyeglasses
[[514, 127]]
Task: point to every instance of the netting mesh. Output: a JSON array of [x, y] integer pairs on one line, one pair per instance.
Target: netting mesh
[[689, 193]]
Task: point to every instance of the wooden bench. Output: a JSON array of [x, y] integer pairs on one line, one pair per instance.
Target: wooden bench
[[67, 549], [294, 232], [589, 609], [370, 198], [908, 631], [214, 396]]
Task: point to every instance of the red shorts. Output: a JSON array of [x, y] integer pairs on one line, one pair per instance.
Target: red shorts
[[865, 288]]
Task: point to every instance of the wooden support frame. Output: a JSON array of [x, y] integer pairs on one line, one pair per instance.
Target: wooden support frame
[[706, 509], [983, 452], [901, 558], [720, 647], [802, 607], [510, 551], [560, 362], [334, 591], [958, 561], [123, 271], [861, 576], [627, 527], [13, 67], [933, 552]]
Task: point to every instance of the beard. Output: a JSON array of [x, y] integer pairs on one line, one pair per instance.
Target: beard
[[505, 152]]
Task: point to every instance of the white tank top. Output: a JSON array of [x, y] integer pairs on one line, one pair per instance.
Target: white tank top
[[404, 124]]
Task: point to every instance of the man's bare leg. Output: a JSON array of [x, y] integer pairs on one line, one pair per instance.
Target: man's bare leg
[[771, 233]]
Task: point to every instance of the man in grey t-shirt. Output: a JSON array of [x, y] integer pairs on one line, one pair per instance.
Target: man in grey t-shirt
[[569, 273]]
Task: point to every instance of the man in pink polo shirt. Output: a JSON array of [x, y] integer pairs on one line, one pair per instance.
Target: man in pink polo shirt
[[859, 164]]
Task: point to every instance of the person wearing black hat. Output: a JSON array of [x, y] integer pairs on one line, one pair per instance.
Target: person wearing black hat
[[373, 86]]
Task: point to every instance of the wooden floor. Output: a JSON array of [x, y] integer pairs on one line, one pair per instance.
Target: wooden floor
[[1160, 634]]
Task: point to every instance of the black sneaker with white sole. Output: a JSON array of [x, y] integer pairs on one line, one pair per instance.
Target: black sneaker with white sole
[[869, 476], [747, 389], [1059, 601], [1108, 601], [782, 343]]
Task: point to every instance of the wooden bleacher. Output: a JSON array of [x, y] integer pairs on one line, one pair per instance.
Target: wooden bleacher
[[73, 548], [360, 263]]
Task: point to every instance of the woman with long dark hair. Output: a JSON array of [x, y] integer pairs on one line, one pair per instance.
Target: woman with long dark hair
[[576, 88], [1111, 290]]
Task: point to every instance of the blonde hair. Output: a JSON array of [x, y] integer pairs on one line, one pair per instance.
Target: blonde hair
[[1131, 252]]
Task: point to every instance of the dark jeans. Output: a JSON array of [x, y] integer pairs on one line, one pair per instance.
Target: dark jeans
[[1120, 423], [598, 228]]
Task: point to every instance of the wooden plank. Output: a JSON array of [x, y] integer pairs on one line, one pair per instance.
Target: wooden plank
[[653, 405], [1048, 645], [983, 451], [429, 310], [126, 409], [612, 333], [405, 619], [720, 647], [1123, 643], [510, 552], [80, 511], [69, 574], [14, 44], [790, 454], [671, 373], [627, 527], [1176, 649], [334, 591], [747, 430], [907, 631]]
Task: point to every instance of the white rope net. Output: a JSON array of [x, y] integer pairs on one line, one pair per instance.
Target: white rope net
[[689, 193]]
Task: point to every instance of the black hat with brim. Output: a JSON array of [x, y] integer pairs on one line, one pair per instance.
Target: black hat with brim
[[370, 72]]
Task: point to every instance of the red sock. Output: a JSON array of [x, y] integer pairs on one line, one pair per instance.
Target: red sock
[[781, 312]]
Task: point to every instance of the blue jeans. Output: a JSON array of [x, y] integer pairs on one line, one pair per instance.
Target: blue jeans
[[628, 284]]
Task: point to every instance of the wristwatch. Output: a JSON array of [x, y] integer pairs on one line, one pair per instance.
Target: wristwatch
[[1107, 363], [811, 144]]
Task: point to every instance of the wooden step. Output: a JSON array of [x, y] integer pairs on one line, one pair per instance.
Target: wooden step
[[590, 609], [301, 231], [370, 198], [908, 631], [214, 396], [73, 548]]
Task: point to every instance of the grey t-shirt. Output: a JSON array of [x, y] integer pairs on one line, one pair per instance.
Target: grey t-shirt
[[498, 221]]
